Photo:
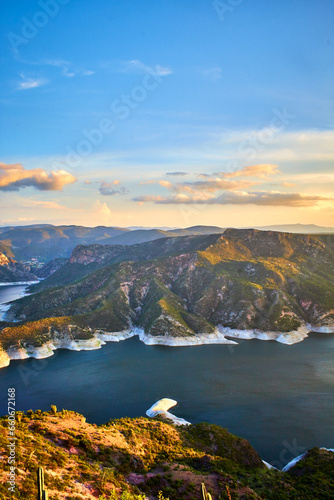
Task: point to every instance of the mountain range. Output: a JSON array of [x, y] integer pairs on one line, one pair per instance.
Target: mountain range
[[183, 288], [45, 242]]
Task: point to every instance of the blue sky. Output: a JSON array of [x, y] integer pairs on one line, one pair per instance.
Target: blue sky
[[167, 113]]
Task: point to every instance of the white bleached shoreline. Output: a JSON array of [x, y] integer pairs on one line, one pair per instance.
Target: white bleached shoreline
[[198, 339], [269, 466], [288, 338], [100, 337], [13, 283], [161, 407], [293, 462], [284, 338], [114, 336], [47, 349]]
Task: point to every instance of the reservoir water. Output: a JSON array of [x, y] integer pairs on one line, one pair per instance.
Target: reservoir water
[[279, 397], [8, 293]]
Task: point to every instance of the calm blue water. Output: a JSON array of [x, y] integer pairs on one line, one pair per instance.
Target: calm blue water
[[278, 397], [8, 293]]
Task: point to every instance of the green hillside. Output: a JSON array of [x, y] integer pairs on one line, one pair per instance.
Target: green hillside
[[150, 457], [182, 287]]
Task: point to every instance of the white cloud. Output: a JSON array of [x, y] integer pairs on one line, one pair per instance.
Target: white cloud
[[136, 65], [30, 83], [110, 188], [67, 68], [102, 212], [162, 71]]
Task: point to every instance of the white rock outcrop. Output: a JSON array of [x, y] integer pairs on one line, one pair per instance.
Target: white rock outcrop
[[161, 408]]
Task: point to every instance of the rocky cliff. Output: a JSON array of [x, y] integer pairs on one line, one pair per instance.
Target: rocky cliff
[[51, 267], [12, 271]]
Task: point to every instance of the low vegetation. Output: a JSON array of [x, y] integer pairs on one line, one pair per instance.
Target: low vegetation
[[141, 458]]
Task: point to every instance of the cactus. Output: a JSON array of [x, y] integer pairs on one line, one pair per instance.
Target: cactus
[[204, 494], [228, 493], [42, 493], [103, 478], [54, 409]]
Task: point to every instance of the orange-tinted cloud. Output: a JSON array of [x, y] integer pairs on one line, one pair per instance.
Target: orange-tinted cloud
[[15, 177], [166, 184], [212, 185], [261, 171], [240, 198]]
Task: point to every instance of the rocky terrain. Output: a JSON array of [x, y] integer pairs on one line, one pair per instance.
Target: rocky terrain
[[51, 267], [13, 271], [191, 289], [141, 458]]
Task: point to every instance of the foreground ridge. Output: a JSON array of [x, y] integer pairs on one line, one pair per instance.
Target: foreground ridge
[[143, 456]]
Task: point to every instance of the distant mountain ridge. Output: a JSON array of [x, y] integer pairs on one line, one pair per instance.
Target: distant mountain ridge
[[297, 228], [46, 242]]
